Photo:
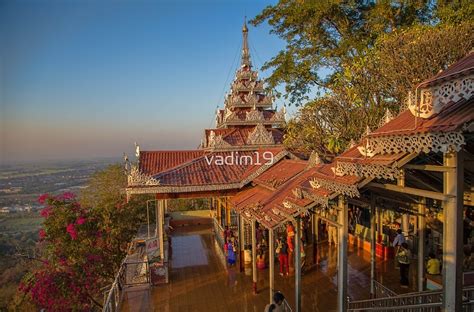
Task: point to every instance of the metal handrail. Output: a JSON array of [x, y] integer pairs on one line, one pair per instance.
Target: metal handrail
[[382, 291], [417, 301], [114, 297]]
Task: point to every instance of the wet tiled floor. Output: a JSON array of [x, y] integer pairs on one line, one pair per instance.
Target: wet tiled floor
[[200, 280]]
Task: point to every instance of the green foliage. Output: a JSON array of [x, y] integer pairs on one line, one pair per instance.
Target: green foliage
[[323, 35], [362, 57]]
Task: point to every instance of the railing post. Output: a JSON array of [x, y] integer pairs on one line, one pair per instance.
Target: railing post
[[373, 241], [342, 254]]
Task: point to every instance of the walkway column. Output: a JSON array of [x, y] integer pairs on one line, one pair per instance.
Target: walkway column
[[161, 210], [421, 245], [315, 237], [379, 223], [373, 241], [254, 257], [453, 226], [342, 256], [298, 265], [241, 243], [271, 261]]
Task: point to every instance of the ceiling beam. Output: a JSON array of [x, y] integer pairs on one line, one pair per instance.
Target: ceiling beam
[[409, 190]]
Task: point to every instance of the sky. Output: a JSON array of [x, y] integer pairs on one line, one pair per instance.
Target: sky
[[84, 79]]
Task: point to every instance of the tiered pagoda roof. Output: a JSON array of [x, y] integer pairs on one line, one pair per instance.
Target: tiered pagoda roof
[[248, 130], [248, 119]]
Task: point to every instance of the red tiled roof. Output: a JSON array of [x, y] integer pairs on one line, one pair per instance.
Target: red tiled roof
[[153, 162], [206, 169], [238, 136], [353, 155], [463, 66], [281, 172], [451, 118]]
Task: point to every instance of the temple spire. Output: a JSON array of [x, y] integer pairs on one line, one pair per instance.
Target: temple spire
[[245, 46]]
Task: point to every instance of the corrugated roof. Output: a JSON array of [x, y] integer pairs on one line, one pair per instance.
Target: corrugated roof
[[153, 162], [281, 172], [451, 118], [208, 169]]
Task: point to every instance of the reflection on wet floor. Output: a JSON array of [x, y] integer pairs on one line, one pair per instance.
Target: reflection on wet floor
[[189, 251], [200, 280]]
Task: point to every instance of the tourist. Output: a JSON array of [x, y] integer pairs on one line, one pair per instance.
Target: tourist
[[277, 304], [403, 258], [399, 240], [290, 232], [231, 249], [282, 251], [433, 265]]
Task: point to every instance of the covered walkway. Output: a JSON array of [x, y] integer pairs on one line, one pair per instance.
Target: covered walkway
[[200, 281]]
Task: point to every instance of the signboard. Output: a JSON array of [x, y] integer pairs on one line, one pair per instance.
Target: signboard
[[152, 245]]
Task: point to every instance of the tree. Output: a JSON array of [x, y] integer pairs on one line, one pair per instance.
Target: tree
[[373, 53], [83, 243], [322, 36]]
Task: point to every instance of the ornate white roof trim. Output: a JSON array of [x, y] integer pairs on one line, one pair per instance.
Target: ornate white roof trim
[[431, 100], [320, 200], [367, 170], [417, 143], [344, 189], [260, 135], [136, 178]]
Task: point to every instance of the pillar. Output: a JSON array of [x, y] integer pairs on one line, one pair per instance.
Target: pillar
[[379, 223], [298, 265], [315, 238], [241, 243], [160, 228], [453, 187], [254, 257], [421, 245], [342, 254], [373, 241], [271, 261]]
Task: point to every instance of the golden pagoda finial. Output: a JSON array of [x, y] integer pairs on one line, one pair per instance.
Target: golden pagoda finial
[[245, 45]]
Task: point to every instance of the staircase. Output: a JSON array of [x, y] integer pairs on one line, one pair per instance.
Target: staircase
[[425, 301]]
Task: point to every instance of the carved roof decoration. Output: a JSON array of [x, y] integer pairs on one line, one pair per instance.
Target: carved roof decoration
[[260, 136], [136, 178]]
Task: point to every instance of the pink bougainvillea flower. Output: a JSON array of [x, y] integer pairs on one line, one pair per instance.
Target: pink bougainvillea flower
[[71, 230], [42, 199], [67, 196], [45, 212], [81, 220], [42, 234]]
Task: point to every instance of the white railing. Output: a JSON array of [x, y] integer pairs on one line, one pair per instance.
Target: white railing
[[114, 296]]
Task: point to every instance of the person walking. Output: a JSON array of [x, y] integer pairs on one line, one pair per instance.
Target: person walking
[[230, 252], [282, 251], [277, 304], [403, 258], [397, 242]]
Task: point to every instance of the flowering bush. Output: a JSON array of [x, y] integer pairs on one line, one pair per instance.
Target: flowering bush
[[83, 243], [70, 273]]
